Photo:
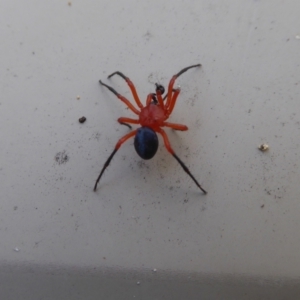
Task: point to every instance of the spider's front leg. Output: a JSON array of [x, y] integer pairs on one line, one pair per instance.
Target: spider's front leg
[[172, 81], [160, 89], [131, 86], [122, 98]]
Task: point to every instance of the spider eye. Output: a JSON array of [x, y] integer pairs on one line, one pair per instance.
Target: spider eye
[[160, 88]]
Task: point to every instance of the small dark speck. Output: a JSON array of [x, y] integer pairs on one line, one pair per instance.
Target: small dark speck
[[268, 192], [287, 40], [61, 157], [148, 35], [33, 53], [97, 136], [262, 206], [141, 165], [15, 207], [82, 120], [186, 200]]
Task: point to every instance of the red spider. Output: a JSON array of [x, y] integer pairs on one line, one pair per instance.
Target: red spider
[[152, 117]]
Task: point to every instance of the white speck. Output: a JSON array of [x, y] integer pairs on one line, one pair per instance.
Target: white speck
[[154, 270], [297, 37], [263, 147], [78, 97], [17, 249], [138, 283]]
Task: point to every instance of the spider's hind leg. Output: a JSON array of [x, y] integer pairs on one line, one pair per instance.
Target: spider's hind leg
[[118, 145], [171, 151]]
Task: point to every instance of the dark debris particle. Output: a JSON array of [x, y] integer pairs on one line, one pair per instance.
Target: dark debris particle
[[61, 157], [82, 120]]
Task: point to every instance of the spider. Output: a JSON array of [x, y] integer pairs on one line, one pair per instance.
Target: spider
[[151, 117]]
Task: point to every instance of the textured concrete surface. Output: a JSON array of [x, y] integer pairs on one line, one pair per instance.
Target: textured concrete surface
[[150, 215]]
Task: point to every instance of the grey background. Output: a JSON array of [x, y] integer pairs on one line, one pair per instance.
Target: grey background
[[149, 214]]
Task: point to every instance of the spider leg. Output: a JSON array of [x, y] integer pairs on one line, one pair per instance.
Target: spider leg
[[150, 97], [160, 88], [118, 145], [166, 95], [169, 148], [172, 81], [125, 121], [173, 101], [131, 86], [159, 91], [122, 98], [160, 99], [175, 126]]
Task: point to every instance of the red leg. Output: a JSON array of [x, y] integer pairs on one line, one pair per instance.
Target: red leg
[[118, 145], [173, 101], [149, 99], [175, 126], [131, 86], [166, 95], [125, 121], [152, 97], [172, 81], [160, 99], [170, 89], [169, 148], [122, 98]]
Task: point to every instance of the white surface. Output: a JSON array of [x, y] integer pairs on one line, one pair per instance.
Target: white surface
[[149, 214]]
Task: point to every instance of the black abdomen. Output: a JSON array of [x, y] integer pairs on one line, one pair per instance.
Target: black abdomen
[[145, 142]]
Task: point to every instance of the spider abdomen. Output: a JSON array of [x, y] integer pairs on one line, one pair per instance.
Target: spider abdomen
[[145, 142]]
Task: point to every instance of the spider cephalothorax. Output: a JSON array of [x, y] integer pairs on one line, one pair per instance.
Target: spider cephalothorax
[[151, 117]]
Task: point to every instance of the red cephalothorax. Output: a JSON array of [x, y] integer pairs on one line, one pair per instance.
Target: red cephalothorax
[[152, 117]]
